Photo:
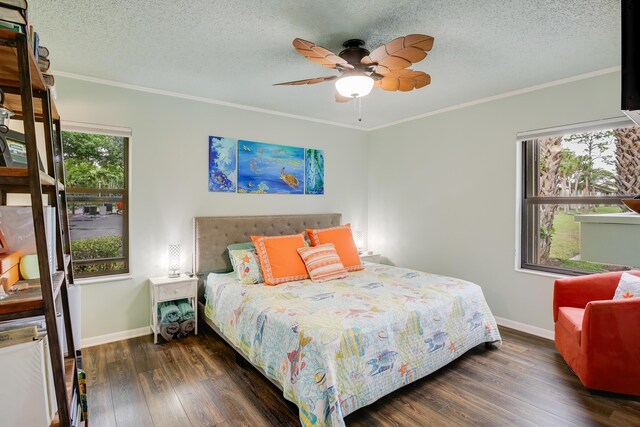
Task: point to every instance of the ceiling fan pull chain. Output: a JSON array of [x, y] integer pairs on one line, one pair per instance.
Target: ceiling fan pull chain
[[360, 109]]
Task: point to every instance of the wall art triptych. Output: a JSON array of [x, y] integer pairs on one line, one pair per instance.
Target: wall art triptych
[[255, 167]]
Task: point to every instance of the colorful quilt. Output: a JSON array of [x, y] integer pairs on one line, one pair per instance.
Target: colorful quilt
[[340, 345]]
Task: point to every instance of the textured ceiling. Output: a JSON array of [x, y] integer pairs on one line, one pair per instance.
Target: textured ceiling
[[234, 50]]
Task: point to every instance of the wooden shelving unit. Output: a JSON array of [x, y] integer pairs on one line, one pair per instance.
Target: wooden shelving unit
[[26, 94]]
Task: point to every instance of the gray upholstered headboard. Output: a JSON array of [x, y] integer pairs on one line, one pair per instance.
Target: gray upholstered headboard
[[212, 234]]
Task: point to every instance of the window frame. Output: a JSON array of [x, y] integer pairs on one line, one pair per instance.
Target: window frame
[[528, 180], [125, 192]]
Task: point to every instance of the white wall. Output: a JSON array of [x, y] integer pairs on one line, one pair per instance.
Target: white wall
[[169, 181], [442, 190], [437, 194]]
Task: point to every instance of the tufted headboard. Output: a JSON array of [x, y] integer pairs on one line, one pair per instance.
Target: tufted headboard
[[212, 234]]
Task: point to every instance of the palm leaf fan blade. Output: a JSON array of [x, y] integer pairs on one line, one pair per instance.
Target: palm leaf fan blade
[[319, 54]]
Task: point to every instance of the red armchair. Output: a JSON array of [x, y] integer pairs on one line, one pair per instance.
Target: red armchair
[[598, 337]]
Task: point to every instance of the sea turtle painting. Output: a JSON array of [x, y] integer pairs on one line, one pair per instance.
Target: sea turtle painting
[[289, 179]]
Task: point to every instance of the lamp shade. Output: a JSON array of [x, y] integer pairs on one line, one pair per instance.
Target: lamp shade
[[354, 86], [358, 237], [174, 261]]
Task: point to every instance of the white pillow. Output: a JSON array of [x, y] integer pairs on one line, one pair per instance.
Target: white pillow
[[628, 287]]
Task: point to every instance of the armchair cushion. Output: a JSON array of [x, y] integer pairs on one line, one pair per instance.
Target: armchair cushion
[[628, 287], [570, 318]]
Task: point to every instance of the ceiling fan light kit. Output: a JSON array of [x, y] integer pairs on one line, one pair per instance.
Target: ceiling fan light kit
[[354, 85], [386, 67]]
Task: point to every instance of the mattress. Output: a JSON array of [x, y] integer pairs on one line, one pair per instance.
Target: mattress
[[337, 346]]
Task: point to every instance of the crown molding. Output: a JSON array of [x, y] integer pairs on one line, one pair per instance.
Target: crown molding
[[197, 98], [328, 122], [502, 96]]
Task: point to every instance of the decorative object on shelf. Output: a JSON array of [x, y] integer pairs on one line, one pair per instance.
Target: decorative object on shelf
[[5, 114], [223, 176], [13, 152], [29, 267], [259, 168], [174, 260], [3, 246], [270, 169], [633, 204], [19, 240], [5, 118], [314, 171]]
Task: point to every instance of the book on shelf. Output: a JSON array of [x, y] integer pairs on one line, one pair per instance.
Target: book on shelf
[[82, 385], [11, 26], [38, 321], [44, 64], [16, 4], [18, 336], [13, 15], [43, 52], [74, 410], [49, 80], [35, 42]]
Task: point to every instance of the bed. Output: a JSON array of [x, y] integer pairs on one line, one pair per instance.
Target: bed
[[336, 346]]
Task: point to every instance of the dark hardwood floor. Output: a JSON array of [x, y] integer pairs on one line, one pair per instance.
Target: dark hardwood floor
[[196, 381]]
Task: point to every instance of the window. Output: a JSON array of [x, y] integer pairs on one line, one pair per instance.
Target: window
[[97, 182], [573, 219]]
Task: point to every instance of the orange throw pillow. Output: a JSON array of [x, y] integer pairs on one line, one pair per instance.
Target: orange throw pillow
[[342, 238], [279, 258], [323, 262]]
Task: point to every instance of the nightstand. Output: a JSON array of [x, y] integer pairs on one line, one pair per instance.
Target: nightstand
[[170, 289], [371, 257]]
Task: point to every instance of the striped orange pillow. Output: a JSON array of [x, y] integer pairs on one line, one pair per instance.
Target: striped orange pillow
[[323, 262]]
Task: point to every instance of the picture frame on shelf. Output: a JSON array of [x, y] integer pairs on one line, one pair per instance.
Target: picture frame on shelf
[[14, 153]]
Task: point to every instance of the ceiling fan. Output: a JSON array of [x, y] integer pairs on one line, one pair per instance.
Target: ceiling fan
[[360, 70]]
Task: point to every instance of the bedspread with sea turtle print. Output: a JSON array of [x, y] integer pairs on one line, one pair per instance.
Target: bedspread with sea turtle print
[[340, 345]]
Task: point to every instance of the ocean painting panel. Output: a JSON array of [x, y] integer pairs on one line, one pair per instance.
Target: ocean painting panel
[[314, 171], [270, 169], [223, 176]]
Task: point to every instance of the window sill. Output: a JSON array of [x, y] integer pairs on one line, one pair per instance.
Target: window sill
[[103, 279], [542, 273]]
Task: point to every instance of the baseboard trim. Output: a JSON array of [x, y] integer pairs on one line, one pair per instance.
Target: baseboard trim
[[523, 327], [146, 330], [116, 336]]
